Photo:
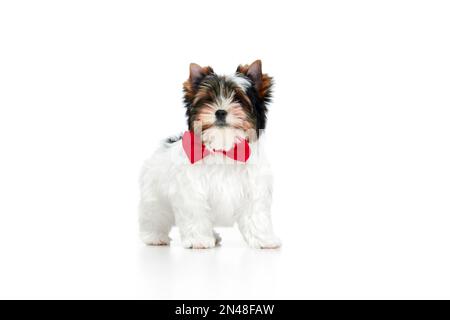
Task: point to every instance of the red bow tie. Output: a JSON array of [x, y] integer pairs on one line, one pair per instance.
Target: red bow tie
[[196, 150]]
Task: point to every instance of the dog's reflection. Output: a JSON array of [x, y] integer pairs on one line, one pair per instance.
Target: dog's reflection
[[171, 272]]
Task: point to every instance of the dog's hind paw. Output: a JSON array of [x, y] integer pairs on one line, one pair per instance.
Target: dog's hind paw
[[272, 242], [217, 237]]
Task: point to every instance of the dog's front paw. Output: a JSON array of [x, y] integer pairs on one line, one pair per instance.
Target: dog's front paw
[[199, 243], [155, 239], [270, 242]]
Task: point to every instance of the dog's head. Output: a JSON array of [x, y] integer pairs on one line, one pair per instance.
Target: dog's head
[[229, 106]]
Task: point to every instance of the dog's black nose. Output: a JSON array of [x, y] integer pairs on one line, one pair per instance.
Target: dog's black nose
[[221, 114]]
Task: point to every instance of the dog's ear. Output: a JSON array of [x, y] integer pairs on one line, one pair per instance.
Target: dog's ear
[[190, 86], [197, 73], [261, 81], [254, 72]]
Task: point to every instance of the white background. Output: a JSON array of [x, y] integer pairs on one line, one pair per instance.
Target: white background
[[358, 136]]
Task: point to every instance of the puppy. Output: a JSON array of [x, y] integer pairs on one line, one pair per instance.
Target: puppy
[[215, 174]]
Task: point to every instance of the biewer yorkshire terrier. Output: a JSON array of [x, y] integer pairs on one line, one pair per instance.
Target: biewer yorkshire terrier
[[215, 174]]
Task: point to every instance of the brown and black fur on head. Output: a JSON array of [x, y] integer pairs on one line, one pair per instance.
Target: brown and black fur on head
[[237, 101]]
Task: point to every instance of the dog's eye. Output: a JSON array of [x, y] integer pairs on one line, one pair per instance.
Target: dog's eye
[[237, 100]]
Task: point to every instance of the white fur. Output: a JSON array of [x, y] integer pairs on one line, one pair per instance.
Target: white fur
[[216, 191], [221, 138], [240, 81]]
